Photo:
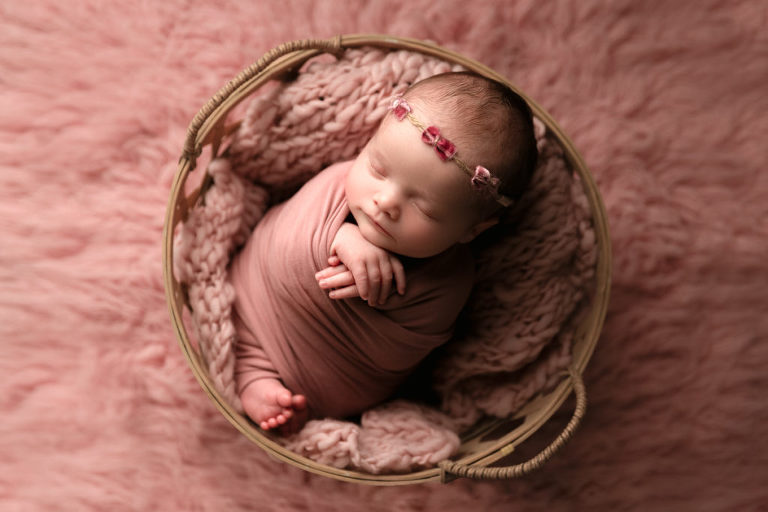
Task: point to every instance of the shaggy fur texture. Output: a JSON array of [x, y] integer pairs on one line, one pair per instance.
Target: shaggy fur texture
[[666, 102]]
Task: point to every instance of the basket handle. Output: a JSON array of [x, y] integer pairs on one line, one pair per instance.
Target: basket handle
[[190, 151], [518, 470]]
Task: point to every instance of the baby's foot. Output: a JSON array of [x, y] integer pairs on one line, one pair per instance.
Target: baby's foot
[[299, 418], [269, 403]]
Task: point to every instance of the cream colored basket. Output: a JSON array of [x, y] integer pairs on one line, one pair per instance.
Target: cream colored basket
[[479, 450]]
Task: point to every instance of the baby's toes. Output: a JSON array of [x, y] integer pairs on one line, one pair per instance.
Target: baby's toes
[[283, 398], [299, 402]]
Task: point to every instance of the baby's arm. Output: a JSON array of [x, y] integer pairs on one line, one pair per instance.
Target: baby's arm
[[359, 268]]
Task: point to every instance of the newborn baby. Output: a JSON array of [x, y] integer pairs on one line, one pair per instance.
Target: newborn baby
[[343, 289]]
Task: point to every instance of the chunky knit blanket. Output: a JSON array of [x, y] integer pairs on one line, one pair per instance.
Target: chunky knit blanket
[[533, 280]]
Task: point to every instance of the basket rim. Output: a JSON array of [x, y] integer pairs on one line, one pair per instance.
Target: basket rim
[[209, 121]]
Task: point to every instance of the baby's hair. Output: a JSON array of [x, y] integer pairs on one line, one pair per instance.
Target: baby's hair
[[493, 125]]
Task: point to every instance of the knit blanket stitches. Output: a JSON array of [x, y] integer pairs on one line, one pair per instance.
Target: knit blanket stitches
[[533, 280]]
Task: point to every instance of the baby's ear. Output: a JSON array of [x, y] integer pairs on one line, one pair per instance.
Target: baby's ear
[[479, 228]]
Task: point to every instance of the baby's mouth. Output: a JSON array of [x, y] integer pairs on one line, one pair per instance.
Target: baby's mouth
[[378, 226]]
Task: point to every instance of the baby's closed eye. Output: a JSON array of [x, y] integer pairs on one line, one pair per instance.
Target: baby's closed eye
[[426, 210], [377, 170]]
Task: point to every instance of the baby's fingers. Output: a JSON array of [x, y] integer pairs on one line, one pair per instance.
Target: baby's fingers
[[386, 280], [399, 272], [339, 280], [348, 292], [360, 274], [374, 283], [330, 272]]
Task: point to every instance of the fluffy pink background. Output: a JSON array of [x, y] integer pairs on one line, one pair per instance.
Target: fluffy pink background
[[667, 103]]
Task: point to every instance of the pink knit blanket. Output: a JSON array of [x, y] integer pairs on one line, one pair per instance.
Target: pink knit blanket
[[533, 279]]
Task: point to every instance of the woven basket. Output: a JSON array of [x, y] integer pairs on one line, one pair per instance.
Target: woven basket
[[482, 446]]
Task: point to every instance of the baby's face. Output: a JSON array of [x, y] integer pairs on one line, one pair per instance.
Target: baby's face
[[404, 198]]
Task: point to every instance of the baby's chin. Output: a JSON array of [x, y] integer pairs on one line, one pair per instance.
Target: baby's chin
[[378, 239]]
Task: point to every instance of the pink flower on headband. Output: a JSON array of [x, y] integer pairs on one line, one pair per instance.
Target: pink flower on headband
[[484, 179], [445, 148], [400, 108]]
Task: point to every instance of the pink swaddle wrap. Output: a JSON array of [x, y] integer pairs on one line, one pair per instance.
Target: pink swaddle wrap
[[344, 355]]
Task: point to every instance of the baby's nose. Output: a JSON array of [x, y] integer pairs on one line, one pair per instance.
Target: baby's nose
[[387, 202]]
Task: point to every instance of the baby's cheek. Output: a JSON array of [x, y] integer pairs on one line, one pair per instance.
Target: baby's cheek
[[355, 187], [421, 234], [350, 191]]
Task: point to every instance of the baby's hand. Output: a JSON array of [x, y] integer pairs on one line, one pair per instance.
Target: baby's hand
[[358, 268], [338, 279]]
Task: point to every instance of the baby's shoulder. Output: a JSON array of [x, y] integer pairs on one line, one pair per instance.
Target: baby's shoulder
[[327, 181], [335, 171]]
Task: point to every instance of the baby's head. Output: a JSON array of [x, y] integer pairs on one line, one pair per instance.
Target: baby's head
[[455, 150]]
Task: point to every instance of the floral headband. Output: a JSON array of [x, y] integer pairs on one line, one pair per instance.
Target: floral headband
[[482, 178]]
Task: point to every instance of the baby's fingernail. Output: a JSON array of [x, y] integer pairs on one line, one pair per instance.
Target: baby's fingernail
[[323, 282], [332, 295]]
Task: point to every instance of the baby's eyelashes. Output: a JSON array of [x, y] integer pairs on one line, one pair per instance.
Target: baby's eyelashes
[[426, 211]]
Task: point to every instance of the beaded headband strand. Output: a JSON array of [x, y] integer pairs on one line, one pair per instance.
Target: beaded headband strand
[[482, 178]]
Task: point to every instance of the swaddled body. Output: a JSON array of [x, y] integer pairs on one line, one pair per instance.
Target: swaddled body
[[343, 355]]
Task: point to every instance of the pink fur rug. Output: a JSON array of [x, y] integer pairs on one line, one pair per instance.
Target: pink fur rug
[[666, 102]]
